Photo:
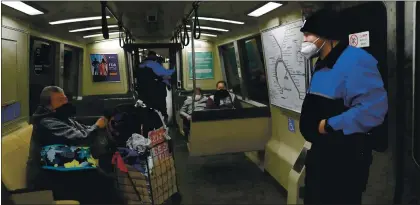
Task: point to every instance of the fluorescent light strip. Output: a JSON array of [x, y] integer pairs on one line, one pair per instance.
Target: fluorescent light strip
[[265, 9], [210, 28], [78, 20], [105, 40], [205, 34], [92, 28], [220, 20], [22, 7], [100, 34]]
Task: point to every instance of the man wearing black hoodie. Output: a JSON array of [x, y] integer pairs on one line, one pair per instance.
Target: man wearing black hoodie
[[60, 158], [152, 80]]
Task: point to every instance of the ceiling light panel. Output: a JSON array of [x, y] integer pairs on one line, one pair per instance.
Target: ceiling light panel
[[265, 9], [205, 34], [78, 20], [220, 20], [100, 34], [210, 28], [92, 28], [22, 7]]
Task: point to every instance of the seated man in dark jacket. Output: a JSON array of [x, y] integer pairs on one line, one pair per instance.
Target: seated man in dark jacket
[[60, 158], [223, 99]]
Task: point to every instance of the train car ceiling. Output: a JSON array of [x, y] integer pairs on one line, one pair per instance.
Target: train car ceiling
[[148, 21], [23, 7]]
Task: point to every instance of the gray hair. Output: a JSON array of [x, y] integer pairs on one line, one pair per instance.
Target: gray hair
[[45, 97]]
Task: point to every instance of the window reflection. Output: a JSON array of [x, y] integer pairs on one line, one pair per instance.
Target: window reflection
[[254, 71], [231, 68]]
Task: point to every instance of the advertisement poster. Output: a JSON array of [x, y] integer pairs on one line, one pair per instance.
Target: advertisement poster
[[203, 65], [104, 67]]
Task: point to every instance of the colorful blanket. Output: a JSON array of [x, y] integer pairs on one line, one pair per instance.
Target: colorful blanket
[[66, 158]]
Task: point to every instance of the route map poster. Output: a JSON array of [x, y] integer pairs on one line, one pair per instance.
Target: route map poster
[[104, 67], [285, 65], [203, 65]]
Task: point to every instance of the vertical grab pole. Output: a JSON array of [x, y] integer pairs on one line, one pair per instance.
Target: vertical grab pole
[[193, 64]]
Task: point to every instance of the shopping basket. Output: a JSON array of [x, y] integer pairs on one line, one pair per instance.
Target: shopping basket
[[148, 177]]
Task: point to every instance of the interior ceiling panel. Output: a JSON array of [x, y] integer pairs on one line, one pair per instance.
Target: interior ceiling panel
[[134, 15]]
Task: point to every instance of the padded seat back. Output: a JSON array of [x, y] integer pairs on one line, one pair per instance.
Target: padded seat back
[[15, 151]]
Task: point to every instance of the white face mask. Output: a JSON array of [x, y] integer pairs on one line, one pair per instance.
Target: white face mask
[[309, 49], [197, 97]]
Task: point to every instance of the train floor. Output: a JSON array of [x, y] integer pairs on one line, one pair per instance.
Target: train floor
[[222, 179]]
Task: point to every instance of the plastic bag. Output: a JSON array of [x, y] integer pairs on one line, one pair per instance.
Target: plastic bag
[[138, 143]]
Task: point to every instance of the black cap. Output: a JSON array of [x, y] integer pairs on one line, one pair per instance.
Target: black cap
[[160, 59], [151, 53], [325, 23]]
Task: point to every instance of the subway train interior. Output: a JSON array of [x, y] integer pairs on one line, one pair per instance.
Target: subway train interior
[[252, 154]]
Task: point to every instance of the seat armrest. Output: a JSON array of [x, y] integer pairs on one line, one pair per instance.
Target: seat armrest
[[34, 197], [27, 190], [66, 202]]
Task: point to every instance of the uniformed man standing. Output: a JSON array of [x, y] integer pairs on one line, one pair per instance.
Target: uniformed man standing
[[152, 80], [346, 99]]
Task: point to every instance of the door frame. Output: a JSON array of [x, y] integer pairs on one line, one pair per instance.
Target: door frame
[[80, 53], [174, 48], [416, 89], [54, 64]]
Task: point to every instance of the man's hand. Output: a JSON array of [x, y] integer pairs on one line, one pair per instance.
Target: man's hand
[[101, 122], [189, 117], [321, 127]]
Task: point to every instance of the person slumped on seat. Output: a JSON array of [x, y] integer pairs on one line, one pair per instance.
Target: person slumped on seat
[[152, 85], [222, 98], [60, 157], [200, 103], [345, 101]]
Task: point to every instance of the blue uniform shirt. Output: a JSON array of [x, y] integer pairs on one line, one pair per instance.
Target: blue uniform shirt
[[354, 78], [159, 70]]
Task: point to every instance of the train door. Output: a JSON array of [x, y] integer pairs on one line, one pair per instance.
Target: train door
[[168, 52], [358, 19], [71, 71], [41, 69], [370, 32], [416, 60], [175, 63]]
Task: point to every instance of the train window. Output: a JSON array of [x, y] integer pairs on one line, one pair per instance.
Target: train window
[[253, 71], [231, 68]]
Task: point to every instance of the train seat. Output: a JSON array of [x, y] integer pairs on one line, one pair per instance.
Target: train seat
[[179, 101], [212, 131], [15, 151]]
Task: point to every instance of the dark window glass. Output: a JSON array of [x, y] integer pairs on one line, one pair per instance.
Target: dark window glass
[[253, 72], [231, 68]]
